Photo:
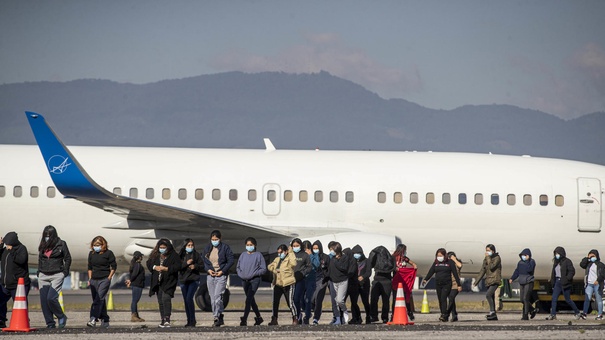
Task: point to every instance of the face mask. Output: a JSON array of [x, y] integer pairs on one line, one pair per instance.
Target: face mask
[[215, 243], [282, 256], [440, 258], [593, 259], [162, 250], [524, 257], [315, 251], [489, 253], [405, 253], [97, 249], [332, 253], [46, 239], [189, 250], [357, 256], [250, 248], [557, 256], [296, 249]]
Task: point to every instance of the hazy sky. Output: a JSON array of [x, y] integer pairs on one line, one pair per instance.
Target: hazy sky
[[544, 54]]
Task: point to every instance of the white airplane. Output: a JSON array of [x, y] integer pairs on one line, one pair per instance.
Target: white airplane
[[427, 200]]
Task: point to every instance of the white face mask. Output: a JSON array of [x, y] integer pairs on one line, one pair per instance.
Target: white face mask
[[440, 258]]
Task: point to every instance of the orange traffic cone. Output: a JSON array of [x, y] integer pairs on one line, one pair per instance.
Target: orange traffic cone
[[400, 314], [19, 318]]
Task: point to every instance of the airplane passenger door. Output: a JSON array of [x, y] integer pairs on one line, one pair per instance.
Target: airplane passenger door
[[589, 204], [271, 199]]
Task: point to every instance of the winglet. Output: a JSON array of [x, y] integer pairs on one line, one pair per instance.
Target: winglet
[[66, 172]]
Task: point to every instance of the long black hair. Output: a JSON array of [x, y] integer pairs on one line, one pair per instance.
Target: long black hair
[[155, 253], [53, 238], [183, 251], [136, 257]]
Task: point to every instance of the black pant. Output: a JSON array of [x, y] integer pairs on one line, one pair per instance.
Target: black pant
[[165, 302], [250, 288], [490, 295], [525, 297], [443, 291], [451, 306], [362, 289], [288, 293], [318, 297], [381, 287]]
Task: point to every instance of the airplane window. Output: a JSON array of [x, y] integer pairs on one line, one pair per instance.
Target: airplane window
[[303, 196], [33, 192], [216, 194], [117, 191], [414, 197], [134, 192], [397, 197], [445, 198], [166, 193], [527, 199], [462, 198], [559, 201], [182, 194], [2, 191], [319, 196], [288, 195], [333, 196], [17, 191], [199, 194], [50, 192], [251, 195], [511, 199], [430, 198], [495, 199], [271, 196], [543, 200], [149, 193], [382, 197], [478, 199], [349, 196], [233, 194]]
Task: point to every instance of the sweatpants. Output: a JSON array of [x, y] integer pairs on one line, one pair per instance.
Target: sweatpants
[[288, 293], [381, 288], [443, 292]]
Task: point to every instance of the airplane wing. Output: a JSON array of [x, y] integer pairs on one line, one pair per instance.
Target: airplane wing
[[74, 182]]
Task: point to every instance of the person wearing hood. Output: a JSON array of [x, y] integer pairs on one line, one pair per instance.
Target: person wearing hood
[[338, 272], [594, 278], [492, 270], [381, 260], [443, 268], [189, 277], [525, 273], [102, 266], [13, 258], [136, 281], [320, 262], [301, 271], [361, 287], [164, 264], [218, 258], [561, 279]]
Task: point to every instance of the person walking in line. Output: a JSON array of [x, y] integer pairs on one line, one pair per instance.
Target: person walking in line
[[594, 278], [189, 277], [320, 262], [218, 258], [381, 260], [361, 289], [561, 279], [338, 273], [492, 270], [405, 273], [310, 282], [250, 268], [284, 282], [443, 268], [136, 283], [54, 261], [456, 288], [13, 259], [301, 271], [101, 268], [164, 264], [525, 273]]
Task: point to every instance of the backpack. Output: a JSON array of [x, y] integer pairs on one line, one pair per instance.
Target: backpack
[[381, 260]]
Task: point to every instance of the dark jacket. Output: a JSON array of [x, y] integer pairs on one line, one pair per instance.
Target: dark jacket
[[101, 264], [168, 280], [225, 257], [187, 274], [492, 270], [59, 260], [381, 261], [137, 275], [13, 262], [324, 261], [567, 269], [363, 269], [352, 272], [525, 269], [586, 265], [303, 265], [443, 272], [338, 269]]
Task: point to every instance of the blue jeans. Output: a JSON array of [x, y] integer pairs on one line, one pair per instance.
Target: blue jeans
[[557, 289], [590, 289], [309, 292], [188, 290], [136, 296], [250, 288]]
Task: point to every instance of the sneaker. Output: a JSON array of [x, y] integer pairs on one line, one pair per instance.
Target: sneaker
[[164, 324], [216, 323], [62, 321], [52, 325], [335, 321], [345, 317], [411, 316], [454, 318], [492, 317], [532, 314], [599, 317], [258, 321], [104, 324], [315, 322], [580, 316], [551, 317], [273, 321], [92, 322]]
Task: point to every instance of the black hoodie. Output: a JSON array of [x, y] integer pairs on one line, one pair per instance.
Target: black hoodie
[[324, 262], [586, 264], [14, 262], [363, 269], [567, 269]]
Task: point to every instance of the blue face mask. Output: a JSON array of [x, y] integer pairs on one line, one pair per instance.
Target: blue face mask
[[46, 239], [524, 257], [489, 253], [189, 250], [593, 259], [315, 251], [97, 249], [557, 256], [332, 253], [296, 249], [215, 243], [250, 248], [357, 256], [282, 256], [162, 250]]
